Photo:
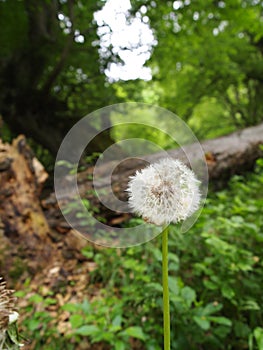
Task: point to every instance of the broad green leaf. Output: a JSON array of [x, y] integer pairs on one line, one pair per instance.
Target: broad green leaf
[[202, 322], [36, 298], [119, 345], [210, 285], [135, 332], [76, 320], [189, 295], [114, 329], [258, 334], [211, 308], [220, 320], [50, 301], [87, 330], [227, 292], [117, 320], [33, 324], [71, 307]]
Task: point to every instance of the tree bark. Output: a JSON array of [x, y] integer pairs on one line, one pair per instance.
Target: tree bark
[[23, 224], [28, 243]]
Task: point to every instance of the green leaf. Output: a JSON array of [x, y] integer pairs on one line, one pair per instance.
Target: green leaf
[[135, 332], [87, 330], [71, 307], [157, 254], [250, 305], [87, 254], [50, 301], [119, 345], [241, 329], [20, 294], [227, 292], [202, 322], [36, 298], [114, 329], [117, 320], [220, 320], [250, 342], [258, 334], [221, 331], [173, 285], [33, 324], [210, 285], [76, 321], [130, 263], [189, 295], [211, 308], [155, 287], [85, 306]]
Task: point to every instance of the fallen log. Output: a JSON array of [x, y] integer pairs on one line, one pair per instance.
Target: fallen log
[[224, 156], [227, 155]]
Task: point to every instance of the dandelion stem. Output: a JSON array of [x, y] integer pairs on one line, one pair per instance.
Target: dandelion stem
[[166, 306]]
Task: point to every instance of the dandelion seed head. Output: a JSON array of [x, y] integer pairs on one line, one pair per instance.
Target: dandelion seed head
[[164, 192]]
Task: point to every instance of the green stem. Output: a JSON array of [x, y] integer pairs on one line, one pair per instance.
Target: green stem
[[166, 306]]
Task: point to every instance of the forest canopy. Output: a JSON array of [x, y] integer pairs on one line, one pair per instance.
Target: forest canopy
[[205, 60]]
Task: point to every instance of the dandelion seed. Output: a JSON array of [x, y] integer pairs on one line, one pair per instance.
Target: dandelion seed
[[164, 192]]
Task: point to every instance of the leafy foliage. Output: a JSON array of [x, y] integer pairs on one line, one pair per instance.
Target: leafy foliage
[[215, 284], [206, 62], [208, 53]]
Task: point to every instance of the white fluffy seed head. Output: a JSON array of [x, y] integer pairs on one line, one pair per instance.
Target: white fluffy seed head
[[164, 192]]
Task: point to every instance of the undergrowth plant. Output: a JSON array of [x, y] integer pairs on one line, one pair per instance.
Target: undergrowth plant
[[215, 282]]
